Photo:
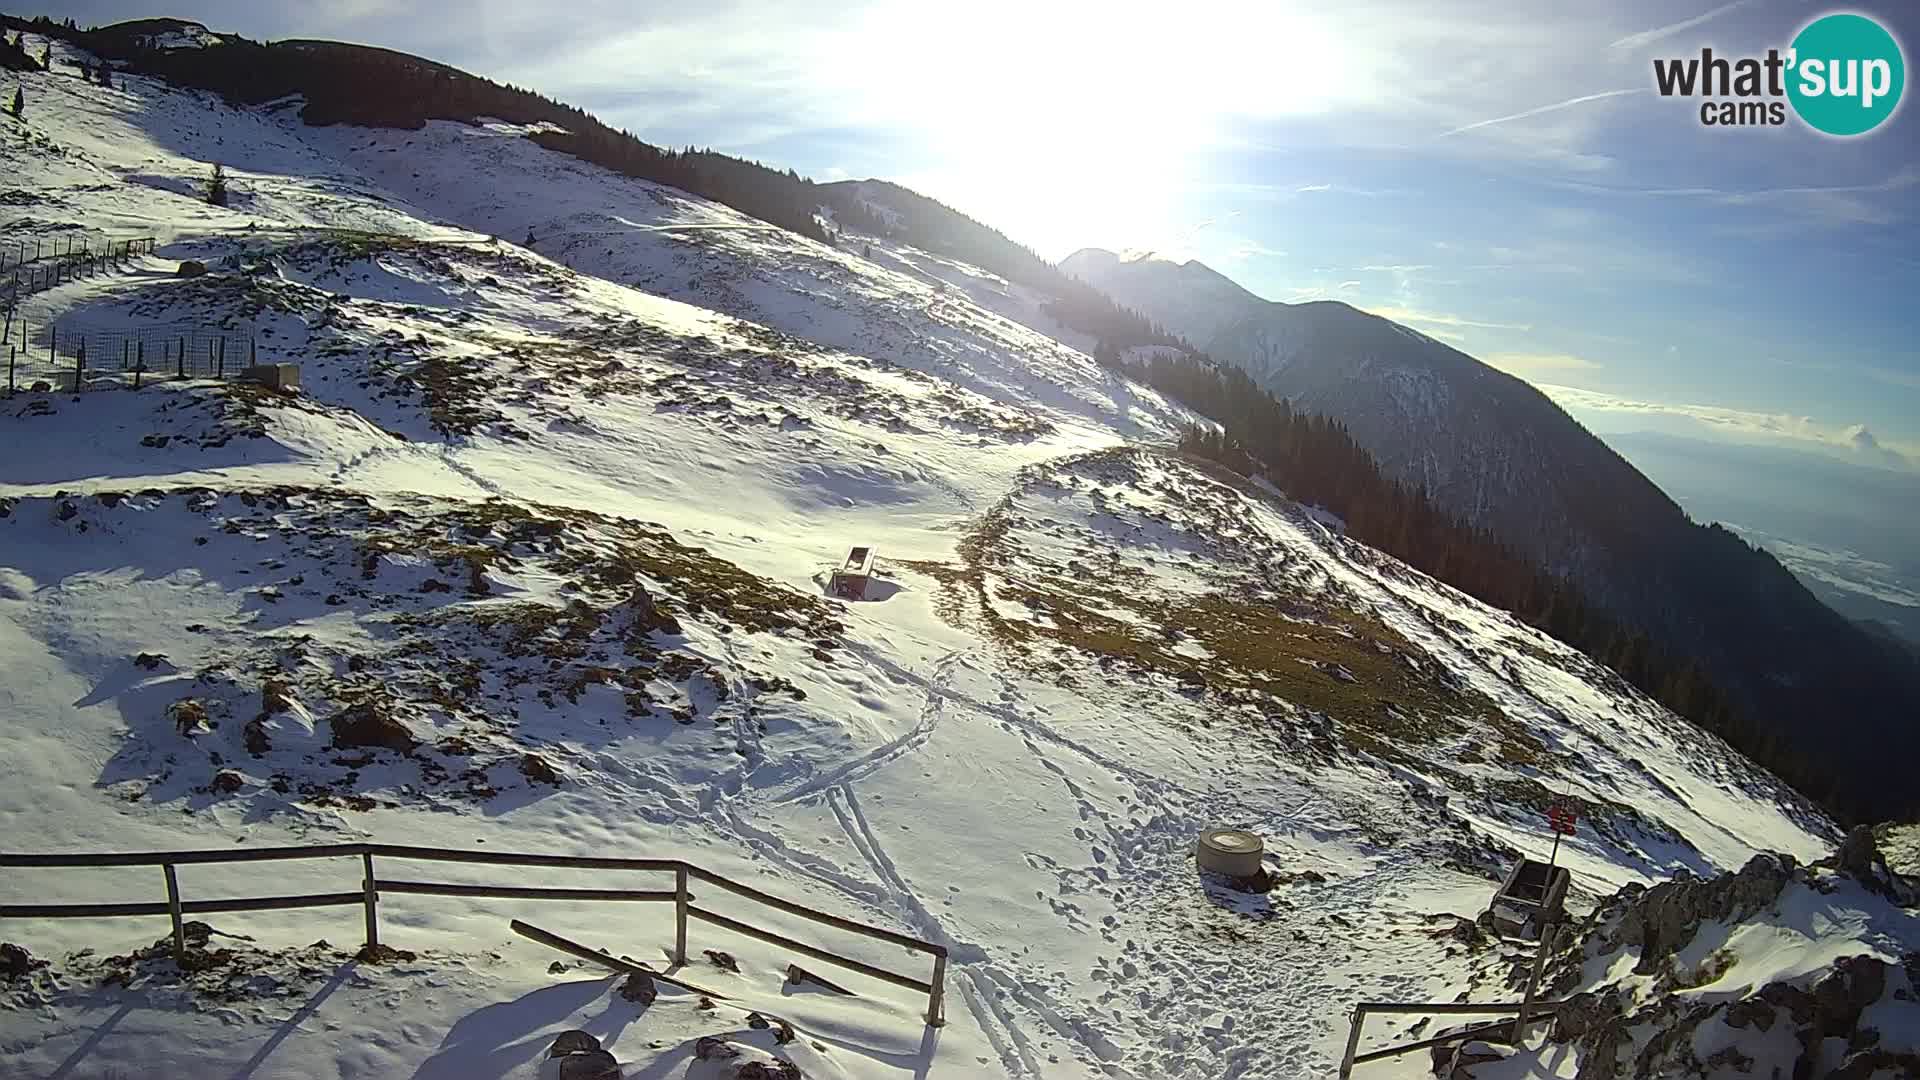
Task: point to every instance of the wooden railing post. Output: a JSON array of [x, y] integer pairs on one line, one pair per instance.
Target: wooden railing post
[[1353, 1041], [1533, 980], [373, 898], [937, 997], [173, 910], [680, 915]]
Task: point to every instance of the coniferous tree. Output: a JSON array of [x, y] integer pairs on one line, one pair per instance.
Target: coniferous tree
[[217, 189], [19, 104]]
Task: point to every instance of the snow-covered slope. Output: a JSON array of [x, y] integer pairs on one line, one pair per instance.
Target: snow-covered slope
[[1497, 453], [536, 563]]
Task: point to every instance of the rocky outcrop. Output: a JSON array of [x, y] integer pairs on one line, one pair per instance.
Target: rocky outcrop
[[1650, 1026], [370, 724]]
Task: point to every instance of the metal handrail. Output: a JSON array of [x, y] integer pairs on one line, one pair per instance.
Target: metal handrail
[[371, 886]]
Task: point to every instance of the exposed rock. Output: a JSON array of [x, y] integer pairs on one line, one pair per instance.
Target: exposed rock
[[254, 735], [1665, 919], [383, 954], [41, 386], [226, 781], [769, 1070], [150, 661], [649, 615], [758, 1022], [275, 696], [723, 960], [189, 716], [593, 1064], [16, 961], [191, 268], [1845, 992], [639, 988], [558, 967], [537, 769], [1468, 933], [714, 1048], [572, 1041], [1752, 1012], [370, 724]]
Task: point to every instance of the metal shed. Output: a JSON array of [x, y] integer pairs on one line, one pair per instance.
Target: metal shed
[[850, 578]]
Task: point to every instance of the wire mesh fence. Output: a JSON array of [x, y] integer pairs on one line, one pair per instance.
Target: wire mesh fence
[[73, 358], [31, 264]]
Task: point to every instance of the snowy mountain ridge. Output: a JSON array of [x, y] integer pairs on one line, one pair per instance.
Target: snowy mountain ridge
[[537, 561]]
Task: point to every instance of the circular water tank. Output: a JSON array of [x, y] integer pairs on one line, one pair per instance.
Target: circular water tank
[[1233, 852]]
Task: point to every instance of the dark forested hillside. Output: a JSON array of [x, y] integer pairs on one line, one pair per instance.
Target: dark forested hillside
[[373, 87]]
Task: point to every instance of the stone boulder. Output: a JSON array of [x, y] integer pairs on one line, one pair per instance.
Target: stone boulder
[[370, 724], [191, 268]]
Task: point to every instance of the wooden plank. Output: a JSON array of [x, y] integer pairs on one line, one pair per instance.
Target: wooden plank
[[613, 963], [80, 911], [521, 892], [1501, 1026], [805, 912], [511, 858], [1451, 1008], [173, 909], [273, 903], [189, 907], [805, 949], [179, 858]]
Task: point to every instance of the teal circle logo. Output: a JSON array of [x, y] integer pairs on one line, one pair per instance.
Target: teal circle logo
[[1845, 74]]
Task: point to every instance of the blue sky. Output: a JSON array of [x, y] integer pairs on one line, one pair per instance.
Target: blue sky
[[1499, 175]]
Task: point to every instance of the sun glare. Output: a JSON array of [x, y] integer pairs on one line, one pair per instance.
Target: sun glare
[[1077, 123]]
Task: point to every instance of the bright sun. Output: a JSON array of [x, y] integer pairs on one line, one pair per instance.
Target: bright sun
[[1077, 123]]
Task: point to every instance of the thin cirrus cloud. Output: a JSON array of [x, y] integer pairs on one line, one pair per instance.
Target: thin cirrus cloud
[[1542, 110], [1855, 438], [1525, 364], [1429, 318], [1659, 33]]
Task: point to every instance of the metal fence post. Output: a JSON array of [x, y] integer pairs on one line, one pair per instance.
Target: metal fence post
[[373, 919], [937, 996], [173, 909], [139, 363], [222, 369], [80, 367], [183, 356], [680, 915]]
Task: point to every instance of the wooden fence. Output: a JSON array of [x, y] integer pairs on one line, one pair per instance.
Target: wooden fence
[[367, 896], [1525, 1012]]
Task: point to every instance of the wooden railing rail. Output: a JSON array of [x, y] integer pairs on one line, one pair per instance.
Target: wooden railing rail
[[371, 886]]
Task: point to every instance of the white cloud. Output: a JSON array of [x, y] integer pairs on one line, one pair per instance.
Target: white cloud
[[1854, 440], [1426, 318], [1525, 364]]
